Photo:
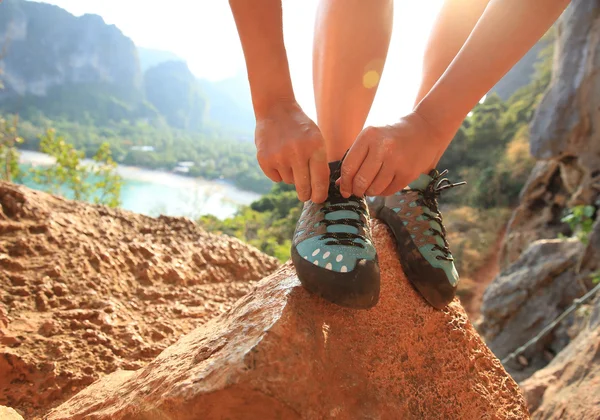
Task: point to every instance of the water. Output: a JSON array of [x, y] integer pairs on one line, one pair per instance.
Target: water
[[154, 193]]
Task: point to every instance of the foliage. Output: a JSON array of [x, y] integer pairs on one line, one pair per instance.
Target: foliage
[[9, 139], [142, 143], [472, 234], [581, 220], [71, 177], [9, 155], [267, 224], [108, 182]]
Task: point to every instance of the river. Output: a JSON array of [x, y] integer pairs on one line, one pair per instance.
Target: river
[[154, 192]]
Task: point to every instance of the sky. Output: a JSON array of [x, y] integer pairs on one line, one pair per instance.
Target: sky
[[203, 33]]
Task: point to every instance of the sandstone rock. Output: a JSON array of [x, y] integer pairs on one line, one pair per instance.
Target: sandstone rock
[[569, 387], [526, 297], [81, 304], [283, 353], [7, 413], [565, 131]]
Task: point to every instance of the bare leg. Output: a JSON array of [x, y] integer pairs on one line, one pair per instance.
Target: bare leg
[[350, 47], [454, 24]]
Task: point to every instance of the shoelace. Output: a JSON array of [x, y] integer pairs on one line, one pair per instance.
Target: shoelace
[[429, 196], [336, 202]]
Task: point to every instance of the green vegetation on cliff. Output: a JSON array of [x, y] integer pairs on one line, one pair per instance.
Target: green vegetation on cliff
[[268, 223]]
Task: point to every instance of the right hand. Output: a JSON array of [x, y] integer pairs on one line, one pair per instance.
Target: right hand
[[290, 148]]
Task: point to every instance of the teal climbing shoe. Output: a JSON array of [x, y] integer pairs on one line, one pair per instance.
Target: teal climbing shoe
[[332, 249], [416, 222]]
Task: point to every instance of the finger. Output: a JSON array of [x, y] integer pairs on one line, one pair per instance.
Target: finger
[[382, 181], [319, 177], [366, 174], [395, 186], [353, 161], [302, 180], [270, 172], [286, 174]]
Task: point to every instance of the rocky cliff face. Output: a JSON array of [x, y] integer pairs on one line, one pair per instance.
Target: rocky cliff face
[[47, 46], [565, 134], [175, 93], [86, 290]]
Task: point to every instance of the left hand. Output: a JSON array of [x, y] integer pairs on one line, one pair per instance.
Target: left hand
[[383, 160]]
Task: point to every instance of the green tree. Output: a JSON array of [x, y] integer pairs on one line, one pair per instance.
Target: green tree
[[9, 155], [83, 182], [108, 182], [268, 223], [581, 221], [66, 172]]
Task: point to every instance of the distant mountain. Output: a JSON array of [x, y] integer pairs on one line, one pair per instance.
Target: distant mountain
[[175, 93], [80, 69], [47, 46], [150, 57], [230, 103], [229, 100], [62, 66]]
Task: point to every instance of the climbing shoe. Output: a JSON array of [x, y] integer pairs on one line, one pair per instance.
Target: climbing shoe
[[332, 249], [415, 220]]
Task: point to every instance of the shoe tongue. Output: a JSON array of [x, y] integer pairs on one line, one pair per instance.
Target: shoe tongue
[[335, 170], [421, 182]]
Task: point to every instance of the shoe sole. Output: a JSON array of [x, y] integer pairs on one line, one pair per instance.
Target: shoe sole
[[357, 289], [429, 281]]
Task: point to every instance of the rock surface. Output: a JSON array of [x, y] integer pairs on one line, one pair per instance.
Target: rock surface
[[528, 296], [7, 413], [565, 132], [86, 290], [569, 387], [283, 353]]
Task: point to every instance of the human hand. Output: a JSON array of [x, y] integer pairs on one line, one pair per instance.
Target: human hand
[[290, 148], [383, 160]]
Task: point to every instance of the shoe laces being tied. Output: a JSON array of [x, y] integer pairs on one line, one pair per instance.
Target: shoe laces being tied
[[349, 216], [428, 198]]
